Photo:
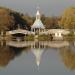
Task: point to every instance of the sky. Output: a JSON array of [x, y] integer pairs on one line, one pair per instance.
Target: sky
[[47, 7]]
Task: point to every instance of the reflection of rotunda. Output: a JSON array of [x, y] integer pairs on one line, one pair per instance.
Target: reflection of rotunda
[[38, 54]]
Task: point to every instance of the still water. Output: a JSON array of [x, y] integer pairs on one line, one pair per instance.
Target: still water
[[37, 58]]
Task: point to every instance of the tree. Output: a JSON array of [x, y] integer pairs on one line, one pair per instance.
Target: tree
[[28, 19], [6, 20], [68, 18], [50, 22]]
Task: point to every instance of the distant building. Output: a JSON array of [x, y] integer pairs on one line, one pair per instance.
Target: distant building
[[38, 25]]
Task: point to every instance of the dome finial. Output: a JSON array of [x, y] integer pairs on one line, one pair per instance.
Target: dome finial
[[38, 16]]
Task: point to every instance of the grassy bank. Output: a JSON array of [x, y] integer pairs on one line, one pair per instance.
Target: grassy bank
[[29, 38], [45, 37], [69, 37]]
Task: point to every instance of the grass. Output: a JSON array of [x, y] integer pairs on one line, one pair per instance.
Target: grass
[[45, 37], [69, 37], [29, 38]]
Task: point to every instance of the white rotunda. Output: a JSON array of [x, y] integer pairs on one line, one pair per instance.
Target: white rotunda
[[38, 26]]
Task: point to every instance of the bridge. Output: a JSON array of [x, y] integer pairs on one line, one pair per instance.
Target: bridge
[[19, 31]]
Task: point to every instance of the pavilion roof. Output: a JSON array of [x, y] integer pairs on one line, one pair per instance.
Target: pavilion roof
[[38, 24]]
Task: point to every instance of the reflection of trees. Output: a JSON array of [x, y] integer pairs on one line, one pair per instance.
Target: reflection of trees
[[8, 53], [68, 57], [5, 56], [18, 51]]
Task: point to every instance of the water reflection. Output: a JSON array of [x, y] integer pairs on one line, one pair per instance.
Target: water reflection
[[68, 57], [38, 44], [38, 54], [9, 50], [8, 53]]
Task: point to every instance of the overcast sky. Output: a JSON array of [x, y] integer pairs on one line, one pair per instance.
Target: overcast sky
[[47, 7]]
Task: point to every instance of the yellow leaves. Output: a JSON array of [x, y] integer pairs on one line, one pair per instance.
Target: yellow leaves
[[68, 18], [3, 12], [6, 19]]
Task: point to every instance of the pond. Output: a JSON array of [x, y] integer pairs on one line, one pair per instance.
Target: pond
[[37, 57]]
